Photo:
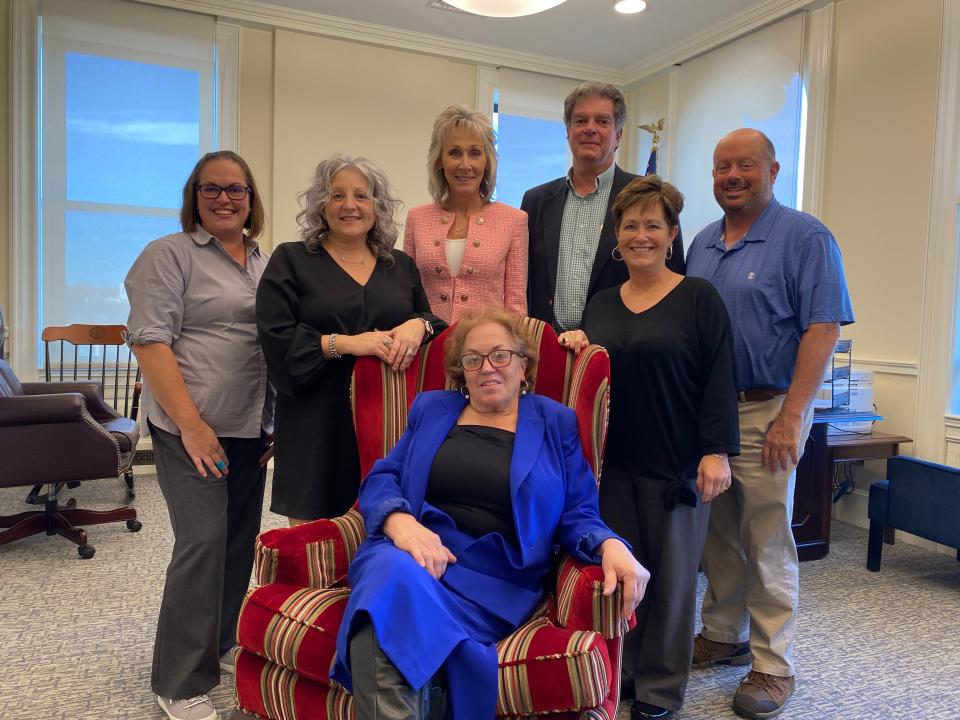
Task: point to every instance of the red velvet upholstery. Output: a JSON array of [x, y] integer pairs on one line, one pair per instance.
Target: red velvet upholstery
[[565, 661]]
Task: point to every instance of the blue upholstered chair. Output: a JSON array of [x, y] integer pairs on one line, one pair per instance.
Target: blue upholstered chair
[[918, 497]]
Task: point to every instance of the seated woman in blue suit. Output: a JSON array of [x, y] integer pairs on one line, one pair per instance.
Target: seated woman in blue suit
[[462, 519]]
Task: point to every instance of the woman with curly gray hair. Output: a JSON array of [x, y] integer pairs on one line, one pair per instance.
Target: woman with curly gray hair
[[342, 293]]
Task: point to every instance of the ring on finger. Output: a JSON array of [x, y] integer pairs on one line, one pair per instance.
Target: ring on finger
[[409, 351], [388, 342]]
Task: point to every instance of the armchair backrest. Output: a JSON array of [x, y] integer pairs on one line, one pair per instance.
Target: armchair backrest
[[381, 398]]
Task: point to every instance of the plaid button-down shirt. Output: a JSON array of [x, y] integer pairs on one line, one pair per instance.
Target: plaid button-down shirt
[[583, 217]]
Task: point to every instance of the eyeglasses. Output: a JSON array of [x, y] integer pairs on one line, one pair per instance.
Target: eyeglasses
[[497, 358], [211, 191]]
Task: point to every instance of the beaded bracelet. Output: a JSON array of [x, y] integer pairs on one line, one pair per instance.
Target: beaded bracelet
[[332, 346]]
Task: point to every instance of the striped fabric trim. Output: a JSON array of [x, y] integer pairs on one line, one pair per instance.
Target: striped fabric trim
[[321, 564], [350, 525], [340, 704], [607, 610], [583, 664], [585, 671], [295, 618], [601, 417], [277, 688], [574, 586], [513, 691], [590, 364], [569, 577], [393, 387], [265, 563]]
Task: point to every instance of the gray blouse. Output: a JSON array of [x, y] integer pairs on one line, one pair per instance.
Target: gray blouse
[[187, 292]]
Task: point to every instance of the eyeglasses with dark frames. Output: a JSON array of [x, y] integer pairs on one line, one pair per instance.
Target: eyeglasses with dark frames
[[497, 358], [211, 191]]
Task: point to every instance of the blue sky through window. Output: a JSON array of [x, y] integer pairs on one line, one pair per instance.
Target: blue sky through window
[[133, 130], [532, 152]]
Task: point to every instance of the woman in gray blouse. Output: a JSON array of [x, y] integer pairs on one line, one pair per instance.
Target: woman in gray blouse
[[207, 405]]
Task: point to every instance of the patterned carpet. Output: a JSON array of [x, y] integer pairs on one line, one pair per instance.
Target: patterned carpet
[[76, 636]]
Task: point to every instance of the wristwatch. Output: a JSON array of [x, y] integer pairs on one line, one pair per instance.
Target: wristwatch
[[427, 326]]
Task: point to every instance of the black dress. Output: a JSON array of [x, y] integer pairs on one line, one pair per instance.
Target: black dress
[[304, 295]]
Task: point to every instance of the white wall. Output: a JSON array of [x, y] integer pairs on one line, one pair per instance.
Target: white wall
[[334, 96]]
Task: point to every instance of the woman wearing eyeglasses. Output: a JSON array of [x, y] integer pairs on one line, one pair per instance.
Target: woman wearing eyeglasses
[[342, 293], [208, 407], [462, 519]]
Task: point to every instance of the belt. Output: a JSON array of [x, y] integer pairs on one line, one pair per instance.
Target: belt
[[761, 394]]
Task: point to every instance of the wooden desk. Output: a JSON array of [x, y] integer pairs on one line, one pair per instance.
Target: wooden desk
[[813, 495]]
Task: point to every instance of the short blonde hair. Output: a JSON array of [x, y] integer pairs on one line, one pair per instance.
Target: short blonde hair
[[458, 117], [510, 321]]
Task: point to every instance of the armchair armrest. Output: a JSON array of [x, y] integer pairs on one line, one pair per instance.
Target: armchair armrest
[[20, 410], [91, 390], [316, 554], [580, 603]]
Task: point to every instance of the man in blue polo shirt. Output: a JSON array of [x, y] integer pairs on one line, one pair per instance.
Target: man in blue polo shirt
[[780, 274]]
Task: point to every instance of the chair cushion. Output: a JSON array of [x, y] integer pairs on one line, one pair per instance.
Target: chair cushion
[[543, 668], [295, 627], [124, 431], [273, 691]]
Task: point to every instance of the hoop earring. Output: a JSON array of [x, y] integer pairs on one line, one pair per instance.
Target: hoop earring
[[616, 254], [524, 387], [669, 252], [464, 392]]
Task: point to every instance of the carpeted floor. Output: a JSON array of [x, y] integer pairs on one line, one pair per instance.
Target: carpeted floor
[[76, 636]]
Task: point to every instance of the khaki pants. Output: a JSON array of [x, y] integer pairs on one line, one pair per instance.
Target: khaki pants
[[750, 557]]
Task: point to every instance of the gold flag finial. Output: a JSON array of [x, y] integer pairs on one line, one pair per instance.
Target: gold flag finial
[[654, 129]]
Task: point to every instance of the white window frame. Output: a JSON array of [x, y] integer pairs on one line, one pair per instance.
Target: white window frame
[[936, 427], [24, 165]]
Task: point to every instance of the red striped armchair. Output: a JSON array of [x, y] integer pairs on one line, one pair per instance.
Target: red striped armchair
[[565, 661]]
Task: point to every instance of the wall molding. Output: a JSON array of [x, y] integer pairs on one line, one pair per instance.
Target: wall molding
[[940, 263], [887, 367], [227, 80], [743, 23], [24, 19], [816, 71], [314, 23]]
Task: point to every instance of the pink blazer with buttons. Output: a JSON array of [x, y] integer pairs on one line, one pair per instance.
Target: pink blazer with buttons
[[494, 267]]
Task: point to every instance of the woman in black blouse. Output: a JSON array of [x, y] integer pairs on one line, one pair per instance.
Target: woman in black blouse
[[342, 293], [673, 422]]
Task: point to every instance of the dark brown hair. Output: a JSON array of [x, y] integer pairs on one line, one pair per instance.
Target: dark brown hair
[[190, 217], [648, 191]]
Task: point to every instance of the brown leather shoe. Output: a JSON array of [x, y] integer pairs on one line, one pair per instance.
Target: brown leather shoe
[[708, 652], [761, 695]]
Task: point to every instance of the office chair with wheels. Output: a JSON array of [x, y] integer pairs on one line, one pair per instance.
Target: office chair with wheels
[[97, 353], [52, 434]]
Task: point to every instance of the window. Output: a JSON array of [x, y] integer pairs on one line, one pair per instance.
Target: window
[[752, 82], [531, 136], [125, 109]]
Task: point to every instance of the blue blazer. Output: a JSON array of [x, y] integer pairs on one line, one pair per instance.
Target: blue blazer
[[554, 496]]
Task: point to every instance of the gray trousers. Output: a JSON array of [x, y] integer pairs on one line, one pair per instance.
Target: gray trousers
[[658, 652], [215, 525]]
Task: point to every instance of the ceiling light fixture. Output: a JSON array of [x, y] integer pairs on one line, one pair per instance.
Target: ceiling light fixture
[[630, 6], [504, 8]]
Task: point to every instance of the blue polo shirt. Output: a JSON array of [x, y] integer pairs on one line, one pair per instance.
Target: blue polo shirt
[[785, 274]]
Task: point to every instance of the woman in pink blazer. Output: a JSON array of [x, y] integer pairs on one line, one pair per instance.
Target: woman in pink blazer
[[470, 251]]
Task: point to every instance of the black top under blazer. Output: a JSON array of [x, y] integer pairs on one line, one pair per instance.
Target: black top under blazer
[[544, 207]]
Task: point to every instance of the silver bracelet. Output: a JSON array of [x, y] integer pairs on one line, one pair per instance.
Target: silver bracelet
[[332, 346], [722, 456]]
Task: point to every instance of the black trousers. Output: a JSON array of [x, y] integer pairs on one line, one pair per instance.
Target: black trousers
[[215, 525], [658, 652]]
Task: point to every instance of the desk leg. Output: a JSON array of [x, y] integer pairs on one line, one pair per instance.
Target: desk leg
[[889, 535]]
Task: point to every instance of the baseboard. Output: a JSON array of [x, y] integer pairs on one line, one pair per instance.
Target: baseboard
[[852, 508]]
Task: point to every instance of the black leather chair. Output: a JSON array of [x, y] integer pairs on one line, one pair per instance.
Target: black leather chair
[[54, 433]]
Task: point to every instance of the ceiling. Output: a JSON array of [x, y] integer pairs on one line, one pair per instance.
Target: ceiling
[[582, 32]]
